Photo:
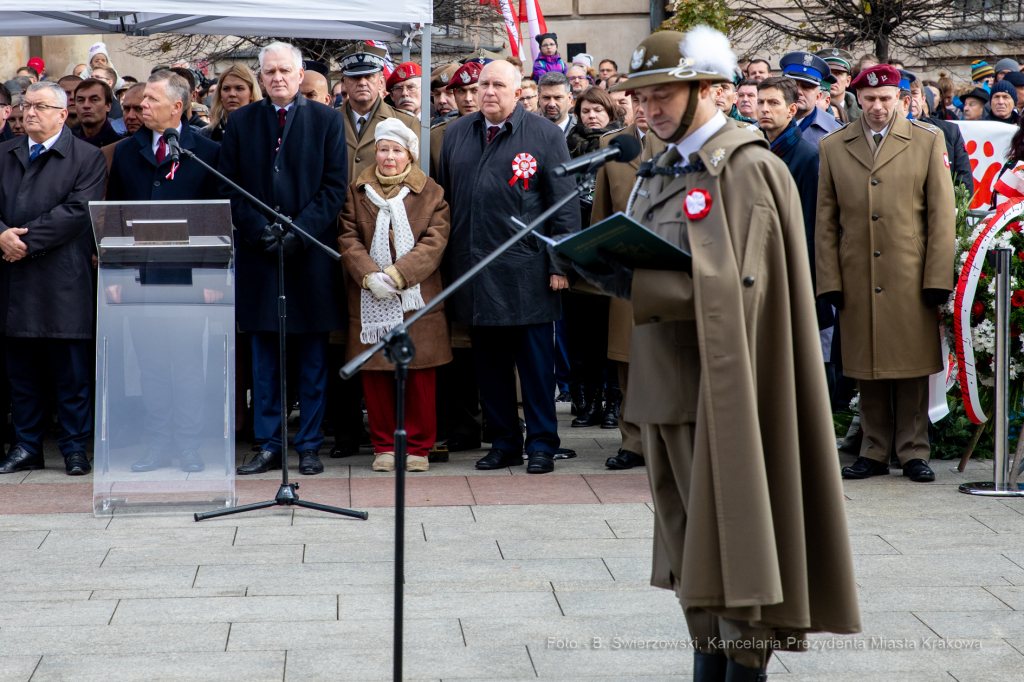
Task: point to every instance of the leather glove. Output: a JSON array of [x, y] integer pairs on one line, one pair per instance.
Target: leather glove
[[292, 244], [266, 242], [618, 282], [933, 298], [835, 298], [381, 286]]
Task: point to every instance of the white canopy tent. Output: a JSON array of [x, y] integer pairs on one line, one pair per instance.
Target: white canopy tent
[[338, 19]]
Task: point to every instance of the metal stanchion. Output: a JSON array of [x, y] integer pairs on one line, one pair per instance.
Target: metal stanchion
[[1001, 460]]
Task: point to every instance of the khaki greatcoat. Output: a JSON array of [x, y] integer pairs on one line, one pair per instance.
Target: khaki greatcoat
[[735, 351], [361, 152], [430, 222], [611, 194], [886, 230]]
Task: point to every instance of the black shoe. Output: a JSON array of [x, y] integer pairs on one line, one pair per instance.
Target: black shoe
[[262, 462], [309, 463], [564, 453], [153, 459], [344, 450], [709, 667], [191, 461], [499, 459], [865, 468], [917, 470], [19, 459], [592, 412], [460, 442], [735, 672], [563, 397], [626, 459], [612, 403], [541, 462], [77, 464], [577, 400]]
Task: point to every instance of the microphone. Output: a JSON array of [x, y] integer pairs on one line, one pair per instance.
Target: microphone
[[171, 140], [621, 148]]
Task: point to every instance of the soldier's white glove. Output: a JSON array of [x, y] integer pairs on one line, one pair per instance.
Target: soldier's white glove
[[381, 286]]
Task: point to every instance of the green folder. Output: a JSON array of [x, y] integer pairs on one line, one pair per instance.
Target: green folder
[[628, 241]]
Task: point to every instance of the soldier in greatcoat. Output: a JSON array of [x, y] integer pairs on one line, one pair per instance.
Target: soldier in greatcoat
[[727, 381], [884, 254]]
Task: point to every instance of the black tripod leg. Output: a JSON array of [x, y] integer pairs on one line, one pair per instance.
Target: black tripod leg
[[199, 516], [333, 510]]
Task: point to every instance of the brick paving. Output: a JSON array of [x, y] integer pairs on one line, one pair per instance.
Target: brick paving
[[509, 577]]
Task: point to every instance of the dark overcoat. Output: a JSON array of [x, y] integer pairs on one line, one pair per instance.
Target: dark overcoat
[[956, 149], [136, 176], [306, 180], [475, 176], [49, 293], [802, 161]]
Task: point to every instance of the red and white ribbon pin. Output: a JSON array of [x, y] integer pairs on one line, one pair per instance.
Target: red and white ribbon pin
[[697, 204], [174, 167], [523, 166]]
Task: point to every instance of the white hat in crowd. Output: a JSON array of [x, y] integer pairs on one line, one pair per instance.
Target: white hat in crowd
[[396, 131]]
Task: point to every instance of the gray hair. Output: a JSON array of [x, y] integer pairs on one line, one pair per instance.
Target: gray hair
[[278, 46], [553, 78], [53, 87], [177, 87]]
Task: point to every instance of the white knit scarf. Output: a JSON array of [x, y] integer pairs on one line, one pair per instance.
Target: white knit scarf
[[381, 315]]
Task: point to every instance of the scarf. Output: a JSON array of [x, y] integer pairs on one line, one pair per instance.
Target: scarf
[[787, 140], [380, 315], [387, 183]]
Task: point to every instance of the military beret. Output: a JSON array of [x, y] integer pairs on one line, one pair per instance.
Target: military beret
[[363, 60], [467, 74], [837, 59], [804, 66], [404, 72], [442, 75], [876, 76]]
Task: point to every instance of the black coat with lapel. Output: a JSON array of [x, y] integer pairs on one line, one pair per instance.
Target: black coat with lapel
[[136, 176], [306, 180], [515, 289], [49, 293], [956, 150]]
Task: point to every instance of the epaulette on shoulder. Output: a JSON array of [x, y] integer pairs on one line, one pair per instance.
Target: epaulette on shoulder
[[442, 123], [934, 130], [615, 132], [752, 128], [833, 132]]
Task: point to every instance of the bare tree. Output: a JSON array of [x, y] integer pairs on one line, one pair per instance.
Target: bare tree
[[885, 24]]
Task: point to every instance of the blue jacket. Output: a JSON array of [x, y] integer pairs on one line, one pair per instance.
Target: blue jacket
[[306, 180], [136, 176], [821, 125]]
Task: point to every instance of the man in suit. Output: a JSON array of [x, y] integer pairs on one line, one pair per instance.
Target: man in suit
[[810, 72], [555, 101], [289, 152], [47, 179], [885, 195]]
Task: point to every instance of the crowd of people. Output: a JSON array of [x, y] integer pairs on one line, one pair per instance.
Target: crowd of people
[[343, 160]]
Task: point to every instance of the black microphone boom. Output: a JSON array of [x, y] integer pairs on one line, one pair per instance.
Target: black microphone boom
[[621, 148], [171, 140]]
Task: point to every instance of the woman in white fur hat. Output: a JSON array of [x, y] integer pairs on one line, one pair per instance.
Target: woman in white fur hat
[[392, 235]]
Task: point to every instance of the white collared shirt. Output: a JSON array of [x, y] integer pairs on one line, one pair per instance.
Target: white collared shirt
[[564, 123], [48, 143], [159, 136], [695, 140]]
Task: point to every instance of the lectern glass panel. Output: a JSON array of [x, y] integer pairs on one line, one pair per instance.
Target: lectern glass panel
[[165, 358]]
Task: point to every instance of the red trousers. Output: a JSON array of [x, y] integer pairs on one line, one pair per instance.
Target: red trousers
[[420, 415]]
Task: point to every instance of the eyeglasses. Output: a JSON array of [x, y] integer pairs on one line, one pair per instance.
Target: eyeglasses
[[577, 78], [405, 87], [527, 97], [37, 107]]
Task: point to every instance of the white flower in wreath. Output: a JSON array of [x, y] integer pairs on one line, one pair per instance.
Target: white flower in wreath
[[855, 403], [987, 381]]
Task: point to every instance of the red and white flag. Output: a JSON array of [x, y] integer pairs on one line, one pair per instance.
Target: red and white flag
[[512, 27], [389, 65], [1010, 185], [537, 26]]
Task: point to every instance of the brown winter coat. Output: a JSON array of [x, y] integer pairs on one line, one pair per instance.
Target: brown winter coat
[[735, 350], [611, 194], [428, 217], [885, 231], [361, 148]]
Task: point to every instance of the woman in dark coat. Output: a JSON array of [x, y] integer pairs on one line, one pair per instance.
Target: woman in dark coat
[[236, 87], [586, 315], [393, 233]]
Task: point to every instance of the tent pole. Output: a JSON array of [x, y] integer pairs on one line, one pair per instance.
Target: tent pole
[[425, 94]]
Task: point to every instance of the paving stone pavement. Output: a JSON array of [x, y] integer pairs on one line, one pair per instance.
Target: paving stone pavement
[[546, 579]]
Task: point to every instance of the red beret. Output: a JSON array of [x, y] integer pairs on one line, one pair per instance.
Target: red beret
[[877, 76], [467, 74], [404, 72]]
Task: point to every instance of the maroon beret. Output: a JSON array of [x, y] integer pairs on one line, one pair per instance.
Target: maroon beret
[[877, 76], [467, 74]]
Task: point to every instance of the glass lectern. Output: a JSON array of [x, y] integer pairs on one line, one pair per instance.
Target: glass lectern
[[165, 357]]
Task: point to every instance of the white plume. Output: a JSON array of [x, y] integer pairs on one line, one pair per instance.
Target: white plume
[[710, 51]]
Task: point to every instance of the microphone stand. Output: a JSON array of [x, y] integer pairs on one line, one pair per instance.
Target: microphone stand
[[400, 351], [287, 494]]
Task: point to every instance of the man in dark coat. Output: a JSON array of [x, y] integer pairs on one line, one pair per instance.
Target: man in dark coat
[[809, 72], [497, 164], [169, 348], [47, 179], [956, 148], [93, 99], [290, 153]]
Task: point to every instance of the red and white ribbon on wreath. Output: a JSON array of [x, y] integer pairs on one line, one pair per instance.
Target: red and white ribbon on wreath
[[174, 168], [523, 166], [966, 287]]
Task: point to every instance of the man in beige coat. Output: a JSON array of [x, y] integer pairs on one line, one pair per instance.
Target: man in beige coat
[[884, 249], [750, 529]]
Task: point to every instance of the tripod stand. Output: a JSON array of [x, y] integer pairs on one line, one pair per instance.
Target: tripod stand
[[287, 494]]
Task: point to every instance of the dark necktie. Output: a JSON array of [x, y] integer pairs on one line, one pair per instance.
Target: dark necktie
[[161, 151], [492, 131], [359, 124], [281, 114], [37, 149], [877, 137]]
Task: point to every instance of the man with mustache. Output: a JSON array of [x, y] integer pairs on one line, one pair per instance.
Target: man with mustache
[[404, 86]]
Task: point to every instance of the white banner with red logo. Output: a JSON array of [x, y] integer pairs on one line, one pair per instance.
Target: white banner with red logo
[[987, 144]]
